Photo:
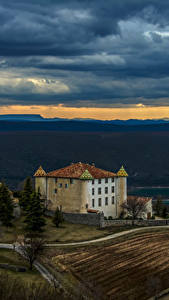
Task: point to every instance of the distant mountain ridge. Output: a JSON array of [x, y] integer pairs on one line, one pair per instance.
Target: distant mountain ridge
[[39, 118]]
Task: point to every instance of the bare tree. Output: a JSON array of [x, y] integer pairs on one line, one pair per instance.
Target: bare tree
[[31, 248], [135, 206]]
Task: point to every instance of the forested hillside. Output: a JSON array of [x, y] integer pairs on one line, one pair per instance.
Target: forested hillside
[[143, 153]]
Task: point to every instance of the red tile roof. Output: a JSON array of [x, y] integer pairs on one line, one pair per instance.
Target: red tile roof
[[76, 170]]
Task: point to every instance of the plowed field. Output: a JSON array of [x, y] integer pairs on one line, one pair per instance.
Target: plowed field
[[136, 267]]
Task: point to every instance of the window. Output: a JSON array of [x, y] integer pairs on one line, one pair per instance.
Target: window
[[66, 185], [112, 199], [112, 180], [106, 180], [87, 205], [106, 190], [112, 189], [92, 202], [56, 180], [60, 185], [99, 191], [100, 202], [93, 181], [99, 181], [92, 191], [106, 201], [55, 191], [71, 181]]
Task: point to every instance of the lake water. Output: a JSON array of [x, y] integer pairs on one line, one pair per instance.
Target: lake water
[[151, 192]]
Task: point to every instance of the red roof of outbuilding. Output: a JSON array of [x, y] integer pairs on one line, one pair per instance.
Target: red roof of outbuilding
[[76, 171]]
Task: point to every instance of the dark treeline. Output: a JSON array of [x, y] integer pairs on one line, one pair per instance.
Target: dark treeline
[[144, 154]]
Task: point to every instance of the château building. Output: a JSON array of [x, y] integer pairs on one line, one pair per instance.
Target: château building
[[82, 188]]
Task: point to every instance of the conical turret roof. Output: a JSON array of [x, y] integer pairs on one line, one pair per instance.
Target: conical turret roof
[[40, 172], [122, 172], [86, 175]]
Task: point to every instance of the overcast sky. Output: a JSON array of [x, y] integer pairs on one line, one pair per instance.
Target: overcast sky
[[112, 53]]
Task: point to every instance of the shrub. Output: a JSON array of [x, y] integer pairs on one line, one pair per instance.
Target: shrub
[[128, 218], [110, 218], [105, 218], [122, 215], [58, 217]]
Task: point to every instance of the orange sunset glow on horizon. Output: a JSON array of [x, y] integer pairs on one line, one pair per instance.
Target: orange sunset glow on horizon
[[137, 112]]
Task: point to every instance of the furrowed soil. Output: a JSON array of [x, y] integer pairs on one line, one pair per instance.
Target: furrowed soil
[[133, 267]]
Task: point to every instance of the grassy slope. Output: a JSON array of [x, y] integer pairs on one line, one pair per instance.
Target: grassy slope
[[66, 233], [12, 258]]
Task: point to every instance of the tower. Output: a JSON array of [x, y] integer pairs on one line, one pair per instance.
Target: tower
[[41, 182], [121, 189]]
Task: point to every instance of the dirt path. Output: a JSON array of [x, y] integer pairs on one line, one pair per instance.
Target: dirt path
[[106, 238]]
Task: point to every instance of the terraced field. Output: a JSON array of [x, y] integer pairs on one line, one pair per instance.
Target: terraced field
[[132, 268]]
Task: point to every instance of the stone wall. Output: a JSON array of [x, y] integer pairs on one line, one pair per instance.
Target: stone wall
[[91, 219], [98, 220], [88, 219], [107, 223]]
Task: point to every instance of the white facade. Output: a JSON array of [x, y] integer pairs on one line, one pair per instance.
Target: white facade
[[104, 195]]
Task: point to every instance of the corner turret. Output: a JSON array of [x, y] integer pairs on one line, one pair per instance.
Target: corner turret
[[41, 183], [40, 172], [121, 189], [122, 172]]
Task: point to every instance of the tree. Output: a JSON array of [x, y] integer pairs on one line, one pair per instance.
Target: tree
[[158, 206], [164, 212], [26, 193], [31, 248], [6, 206], [34, 214], [135, 206], [58, 217]]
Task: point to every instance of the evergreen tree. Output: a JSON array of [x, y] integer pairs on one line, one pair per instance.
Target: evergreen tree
[[164, 212], [58, 217], [158, 206], [26, 193], [6, 206], [34, 214]]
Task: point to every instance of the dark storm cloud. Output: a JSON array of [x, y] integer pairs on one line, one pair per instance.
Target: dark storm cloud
[[70, 51], [47, 28]]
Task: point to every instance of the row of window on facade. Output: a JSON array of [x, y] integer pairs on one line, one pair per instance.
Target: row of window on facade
[[100, 201], [106, 190], [100, 180], [60, 184]]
